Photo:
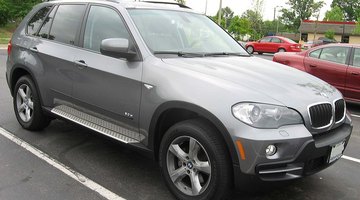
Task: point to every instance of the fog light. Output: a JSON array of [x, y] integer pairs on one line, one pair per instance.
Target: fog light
[[270, 150]]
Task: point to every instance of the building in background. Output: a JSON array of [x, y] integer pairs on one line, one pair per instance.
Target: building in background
[[343, 31]]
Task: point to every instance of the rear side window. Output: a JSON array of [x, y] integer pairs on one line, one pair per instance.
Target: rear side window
[[36, 21], [103, 23], [66, 23], [315, 54], [275, 40], [44, 30], [335, 54]]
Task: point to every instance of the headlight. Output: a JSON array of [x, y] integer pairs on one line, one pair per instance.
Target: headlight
[[265, 116]]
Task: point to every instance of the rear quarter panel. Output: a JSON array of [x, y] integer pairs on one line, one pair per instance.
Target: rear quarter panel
[[294, 60]]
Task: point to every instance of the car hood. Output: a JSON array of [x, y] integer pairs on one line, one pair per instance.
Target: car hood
[[289, 87]]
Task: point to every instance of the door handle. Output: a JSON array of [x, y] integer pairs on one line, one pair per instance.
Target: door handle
[[34, 49], [354, 73], [80, 63], [313, 66]]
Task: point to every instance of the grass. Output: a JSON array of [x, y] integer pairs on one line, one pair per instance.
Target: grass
[[6, 32]]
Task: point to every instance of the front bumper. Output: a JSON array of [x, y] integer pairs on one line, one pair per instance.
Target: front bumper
[[296, 156]]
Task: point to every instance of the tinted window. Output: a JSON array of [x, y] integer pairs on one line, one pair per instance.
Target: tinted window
[[315, 54], [335, 54], [66, 23], [265, 39], [37, 20], [276, 40], [44, 31], [356, 61], [103, 23]]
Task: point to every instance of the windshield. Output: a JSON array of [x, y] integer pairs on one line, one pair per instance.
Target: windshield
[[183, 33]]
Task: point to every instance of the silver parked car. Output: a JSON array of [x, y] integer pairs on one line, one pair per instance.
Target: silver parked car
[[169, 81]]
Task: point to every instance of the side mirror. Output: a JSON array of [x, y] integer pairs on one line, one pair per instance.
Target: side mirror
[[117, 48]]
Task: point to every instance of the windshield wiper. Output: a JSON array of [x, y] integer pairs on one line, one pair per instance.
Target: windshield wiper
[[180, 53], [226, 54]]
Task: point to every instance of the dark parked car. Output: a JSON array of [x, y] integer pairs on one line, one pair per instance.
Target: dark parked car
[[337, 64], [170, 82], [273, 44]]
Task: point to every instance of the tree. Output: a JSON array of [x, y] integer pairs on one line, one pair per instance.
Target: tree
[[239, 27], [357, 28], [300, 10], [335, 14], [351, 8], [256, 19], [4, 13], [330, 34], [226, 16]]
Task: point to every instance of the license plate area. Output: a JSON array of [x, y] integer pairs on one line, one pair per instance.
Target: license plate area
[[336, 151]]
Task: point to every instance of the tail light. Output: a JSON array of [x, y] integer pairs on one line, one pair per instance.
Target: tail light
[[9, 47]]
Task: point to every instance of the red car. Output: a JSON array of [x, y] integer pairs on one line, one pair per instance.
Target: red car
[[273, 44], [337, 64]]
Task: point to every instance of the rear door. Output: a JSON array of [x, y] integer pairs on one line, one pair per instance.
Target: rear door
[[329, 64], [104, 85], [55, 48], [353, 77], [275, 44]]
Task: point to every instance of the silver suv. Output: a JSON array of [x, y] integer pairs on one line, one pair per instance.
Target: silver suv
[[170, 82]]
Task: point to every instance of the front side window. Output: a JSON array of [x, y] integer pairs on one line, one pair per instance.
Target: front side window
[[36, 21], [103, 23], [66, 23], [176, 31], [335, 54], [356, 61]]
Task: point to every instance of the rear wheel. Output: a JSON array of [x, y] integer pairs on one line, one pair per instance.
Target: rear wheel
[[250, 49], [194, 161], [27, 105], [281, 50]]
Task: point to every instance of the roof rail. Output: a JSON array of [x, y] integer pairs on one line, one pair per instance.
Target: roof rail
[[169, 3]]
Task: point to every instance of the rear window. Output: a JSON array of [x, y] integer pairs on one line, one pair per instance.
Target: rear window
[[289, 40], [66, 23], [36, 21]]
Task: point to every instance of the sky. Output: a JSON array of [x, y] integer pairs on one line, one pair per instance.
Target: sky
[[240, 6]]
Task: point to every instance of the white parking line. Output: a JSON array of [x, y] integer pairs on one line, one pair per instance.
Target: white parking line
[[60, 166], [351, 158], [355, 115]]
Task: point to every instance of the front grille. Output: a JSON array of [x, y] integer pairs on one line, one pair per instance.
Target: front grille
[[339, 110], [321, 115]]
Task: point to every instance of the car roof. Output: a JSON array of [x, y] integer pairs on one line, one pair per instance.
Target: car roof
[[136, 4]]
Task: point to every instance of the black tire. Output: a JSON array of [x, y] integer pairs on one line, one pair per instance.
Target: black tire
[[38, 119], [219, 182], [281, 50], [260, 53]]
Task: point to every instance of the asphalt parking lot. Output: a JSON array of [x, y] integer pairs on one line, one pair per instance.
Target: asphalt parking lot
[[126, 174]]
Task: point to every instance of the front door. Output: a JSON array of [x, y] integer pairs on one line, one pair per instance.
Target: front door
[[104, 85], [329, 64]]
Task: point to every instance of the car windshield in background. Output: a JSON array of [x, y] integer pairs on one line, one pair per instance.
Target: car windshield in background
[[182, 33]]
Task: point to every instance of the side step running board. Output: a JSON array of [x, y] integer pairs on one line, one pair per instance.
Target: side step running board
[[99, 125]]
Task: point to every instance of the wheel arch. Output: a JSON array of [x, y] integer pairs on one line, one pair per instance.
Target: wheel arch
[[18, 71], [185, 111]]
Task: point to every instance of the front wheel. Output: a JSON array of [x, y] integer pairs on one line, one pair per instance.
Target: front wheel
[[250, 49], [194, 161], [27, 106]]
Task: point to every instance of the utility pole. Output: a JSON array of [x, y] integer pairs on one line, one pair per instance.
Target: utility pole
[[219, 17], [206, 4]]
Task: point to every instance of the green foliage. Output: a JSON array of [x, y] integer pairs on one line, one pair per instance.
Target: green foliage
[[4, 12], [226, 16], [357, 28], [239, 27], [335, 14], [255, 19], [300, 10], [351, 8], [183, 2], [330, 34]]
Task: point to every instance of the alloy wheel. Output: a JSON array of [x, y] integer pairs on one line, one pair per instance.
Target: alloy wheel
[[24, 103]]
